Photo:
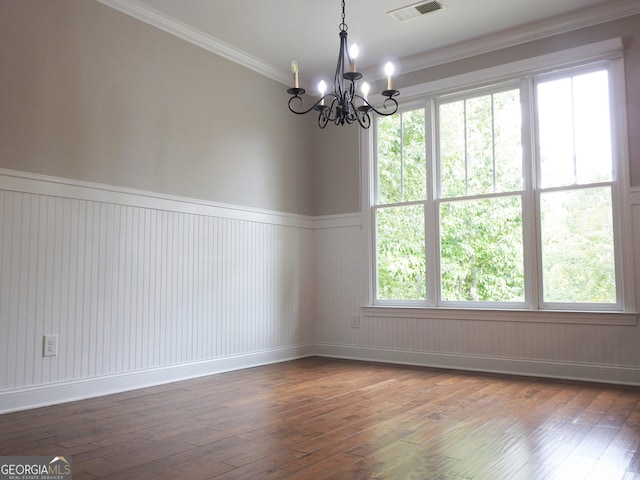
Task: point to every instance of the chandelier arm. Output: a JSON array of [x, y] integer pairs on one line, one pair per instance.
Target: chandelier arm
[[328, 114], [323, 118], [364, 119], [366, 106], [332, 110], [394, 106], [352, 114], [315, 106]]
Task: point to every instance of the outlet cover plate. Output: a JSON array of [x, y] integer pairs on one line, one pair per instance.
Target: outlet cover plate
[[50, 346]]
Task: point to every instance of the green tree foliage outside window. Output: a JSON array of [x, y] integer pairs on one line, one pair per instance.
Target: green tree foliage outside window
[[401, 253], [402, 178], [402, 167], [481, 250], [577, 246]]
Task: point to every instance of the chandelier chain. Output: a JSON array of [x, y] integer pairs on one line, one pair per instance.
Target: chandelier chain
[[343, 25]]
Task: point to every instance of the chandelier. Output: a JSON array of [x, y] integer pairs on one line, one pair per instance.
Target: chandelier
[[344, 104]]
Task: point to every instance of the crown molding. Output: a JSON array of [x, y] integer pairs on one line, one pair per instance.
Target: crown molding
[[181, 30], [520, 35]]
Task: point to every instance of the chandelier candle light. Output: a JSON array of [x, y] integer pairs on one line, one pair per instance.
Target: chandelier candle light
[[344, 104]]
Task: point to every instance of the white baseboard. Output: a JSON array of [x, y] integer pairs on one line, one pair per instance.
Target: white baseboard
[[40, 396], [51, 394], [621, 375]]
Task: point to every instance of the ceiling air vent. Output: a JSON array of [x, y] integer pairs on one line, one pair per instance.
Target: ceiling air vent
[[416, 10]]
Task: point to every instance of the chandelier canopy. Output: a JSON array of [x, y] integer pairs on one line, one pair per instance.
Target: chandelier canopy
[[344, 104]]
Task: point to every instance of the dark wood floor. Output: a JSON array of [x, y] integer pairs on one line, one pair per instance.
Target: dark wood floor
[[329, 419]]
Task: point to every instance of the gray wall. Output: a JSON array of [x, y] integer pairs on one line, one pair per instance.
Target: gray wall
[[336, 170], [89, 93]]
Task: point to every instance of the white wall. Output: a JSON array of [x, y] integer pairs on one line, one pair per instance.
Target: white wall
[[142, 288], [560, 346]]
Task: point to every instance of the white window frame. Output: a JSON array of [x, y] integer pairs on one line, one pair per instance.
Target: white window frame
[[532, 309], [530, 283]]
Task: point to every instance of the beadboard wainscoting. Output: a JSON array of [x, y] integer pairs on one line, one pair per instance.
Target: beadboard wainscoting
[[562, 345], [142, 289]]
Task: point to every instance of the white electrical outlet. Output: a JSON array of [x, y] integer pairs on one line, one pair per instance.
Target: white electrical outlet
[[355, 321], [50, 346]]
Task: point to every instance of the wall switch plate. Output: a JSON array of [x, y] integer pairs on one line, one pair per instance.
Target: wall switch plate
[[355, 321], [50, 346]]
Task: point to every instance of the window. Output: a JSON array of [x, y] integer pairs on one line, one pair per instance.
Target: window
[[501, 196], [400, 226], [576, 189], [480, 204]]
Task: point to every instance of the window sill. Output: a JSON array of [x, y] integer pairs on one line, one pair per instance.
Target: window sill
[[495, 315]]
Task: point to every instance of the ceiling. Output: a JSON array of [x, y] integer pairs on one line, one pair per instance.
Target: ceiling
[[265, 35]]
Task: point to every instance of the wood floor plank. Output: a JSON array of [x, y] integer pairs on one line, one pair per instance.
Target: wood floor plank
[[331, 419]]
